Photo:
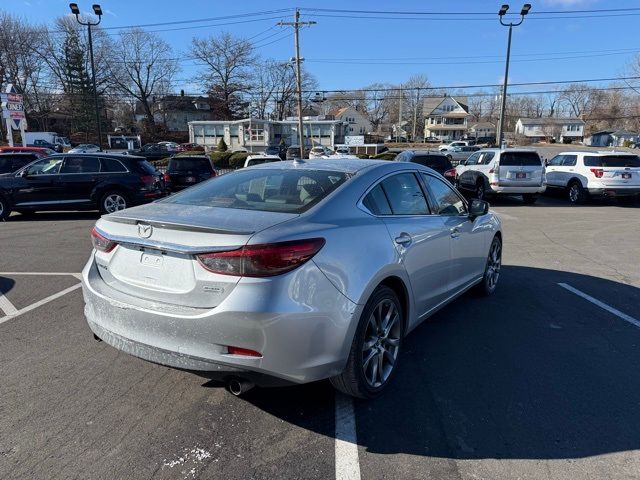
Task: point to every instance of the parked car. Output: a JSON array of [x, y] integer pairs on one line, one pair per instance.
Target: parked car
[[294, 152], [190, 147], [47, 140], [435, 160], [186, 170], [85, 148], [320, 151], [171, 146], [260, 159], [44, 144], [255, 277], [450, 146], [42, 152], [278, 150], [486, 141], [153, 151], [496, 172], [343, 150], [594, 174], [459, 154], [83, 181], [431, 140], [12, 162]]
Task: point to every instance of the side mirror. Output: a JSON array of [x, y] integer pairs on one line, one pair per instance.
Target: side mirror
[[478, 208], [546, 162], [24, 173]]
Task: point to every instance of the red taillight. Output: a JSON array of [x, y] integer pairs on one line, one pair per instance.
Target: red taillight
[[598, 172], [263, 260], [166, 177], [148, 179], [450, 173], [101, 243], [213, 174], [243, 351]]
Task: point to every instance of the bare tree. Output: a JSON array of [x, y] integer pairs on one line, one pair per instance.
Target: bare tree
[[413, 101], [377, 104], [228, 72], [144, 68]]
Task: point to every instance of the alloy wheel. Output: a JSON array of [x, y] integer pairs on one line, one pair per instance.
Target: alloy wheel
[[114, 202], [493, 264], [574, 193], [381, 343]]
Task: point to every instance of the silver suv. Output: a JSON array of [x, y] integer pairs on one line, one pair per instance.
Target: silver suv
[[493, 171]]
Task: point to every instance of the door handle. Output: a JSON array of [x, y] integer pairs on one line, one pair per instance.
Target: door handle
[[403, 239], [455, 232]]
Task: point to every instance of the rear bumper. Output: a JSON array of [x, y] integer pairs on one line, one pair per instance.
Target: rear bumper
[[516, 189], [614, 191], [299, 322]]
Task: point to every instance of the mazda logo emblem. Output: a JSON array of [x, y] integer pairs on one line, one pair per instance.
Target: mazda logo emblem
[[144, 230]]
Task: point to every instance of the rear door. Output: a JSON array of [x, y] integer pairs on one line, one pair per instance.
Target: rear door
[[78, 178], [615, 171], [420, 238], [554, 171], [523, 169]]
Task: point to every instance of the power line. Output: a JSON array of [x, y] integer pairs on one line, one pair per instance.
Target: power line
[[396, 12]]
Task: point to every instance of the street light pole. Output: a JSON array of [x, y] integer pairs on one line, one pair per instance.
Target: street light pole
[[98, 11], [503, 101]]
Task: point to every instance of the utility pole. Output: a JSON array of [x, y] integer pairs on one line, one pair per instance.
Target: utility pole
[[296, 24], [399, 118], [415, 114]]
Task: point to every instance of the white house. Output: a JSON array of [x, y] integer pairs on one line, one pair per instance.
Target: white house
[[358, 124], [446, 117], [256, 134], [565, 130], [482, 130]]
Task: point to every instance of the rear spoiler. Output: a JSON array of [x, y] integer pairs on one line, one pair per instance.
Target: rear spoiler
[[173, 226]]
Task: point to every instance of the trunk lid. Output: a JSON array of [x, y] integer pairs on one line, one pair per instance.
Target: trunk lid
[[157, 243], [523, 169]]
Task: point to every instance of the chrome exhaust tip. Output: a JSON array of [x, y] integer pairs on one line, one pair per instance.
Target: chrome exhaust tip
[[239, 386]]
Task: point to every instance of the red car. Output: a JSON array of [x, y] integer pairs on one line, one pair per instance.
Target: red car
[[190, 147], [41, 152]]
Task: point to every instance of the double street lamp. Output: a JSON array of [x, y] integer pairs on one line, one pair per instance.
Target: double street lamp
[[98, 11], [501, 13]]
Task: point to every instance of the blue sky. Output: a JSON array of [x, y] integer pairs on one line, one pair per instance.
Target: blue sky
[[443, 50]]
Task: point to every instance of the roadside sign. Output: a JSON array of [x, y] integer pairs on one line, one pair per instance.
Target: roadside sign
[[12, 104]]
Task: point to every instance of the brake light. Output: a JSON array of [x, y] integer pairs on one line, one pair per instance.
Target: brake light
[[451, 173], [214, 173], [166, 177], [101, 243], [243, 351], [264, 260], [598, 172], [148, 179]]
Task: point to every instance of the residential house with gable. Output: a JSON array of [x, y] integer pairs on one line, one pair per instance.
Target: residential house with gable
[[446, 118]]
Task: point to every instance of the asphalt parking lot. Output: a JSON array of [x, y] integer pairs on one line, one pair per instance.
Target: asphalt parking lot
[[539, 381]]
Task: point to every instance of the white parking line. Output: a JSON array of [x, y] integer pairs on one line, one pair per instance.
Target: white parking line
[[39, 303], [347, 464], [6, 306], [44, 274], [602, 305]]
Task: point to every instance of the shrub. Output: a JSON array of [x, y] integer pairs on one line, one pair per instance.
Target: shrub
[[220, 159], [164, 162], [385, 156], [222, 146], [627, 143], [237, 159], [362, 155]]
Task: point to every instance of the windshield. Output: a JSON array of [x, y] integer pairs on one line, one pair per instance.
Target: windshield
[[200, 165], [289, 191], [612, 161], [520, 159]]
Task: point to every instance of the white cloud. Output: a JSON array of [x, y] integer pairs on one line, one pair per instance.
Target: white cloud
[[109, 12]]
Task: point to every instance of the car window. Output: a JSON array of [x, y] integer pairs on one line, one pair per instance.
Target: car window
[[289, 191], [46, 166], [182, 164], [145, 167], [556, 161], [80, 165], [376, 201], [569, 160], [446, 200], [112, 165], [486, 158], [612, 161], [473, 159], [519, 159], [405, 195]]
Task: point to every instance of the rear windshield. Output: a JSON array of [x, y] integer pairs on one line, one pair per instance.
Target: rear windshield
[[518, 159], [289, 191], [612, 161], [200, 165]]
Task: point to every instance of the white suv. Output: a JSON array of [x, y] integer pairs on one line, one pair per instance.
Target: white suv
[[493, 171], [451, 145], [584, 174]]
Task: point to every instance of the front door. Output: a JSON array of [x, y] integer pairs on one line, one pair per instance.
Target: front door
[[37, 186]]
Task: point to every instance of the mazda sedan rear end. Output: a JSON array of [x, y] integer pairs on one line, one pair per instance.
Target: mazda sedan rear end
[[288, 272]]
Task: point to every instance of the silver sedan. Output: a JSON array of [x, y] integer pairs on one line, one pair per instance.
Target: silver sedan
[[289, 272]]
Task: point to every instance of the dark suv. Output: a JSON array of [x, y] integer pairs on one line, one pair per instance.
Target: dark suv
[[85, 181], [186, 170], [434, 160], [12, 162]]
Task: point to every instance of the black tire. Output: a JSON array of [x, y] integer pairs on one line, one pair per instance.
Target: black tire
[[107, 199], [576, 193], [481, 191], [489, 283], [529, 198], [354, 380], [5, 209]]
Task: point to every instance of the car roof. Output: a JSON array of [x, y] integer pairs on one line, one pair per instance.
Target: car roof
[[499, 150], [20, 154], [599, 153], [119, 156], [346, 165], [423, 152]]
